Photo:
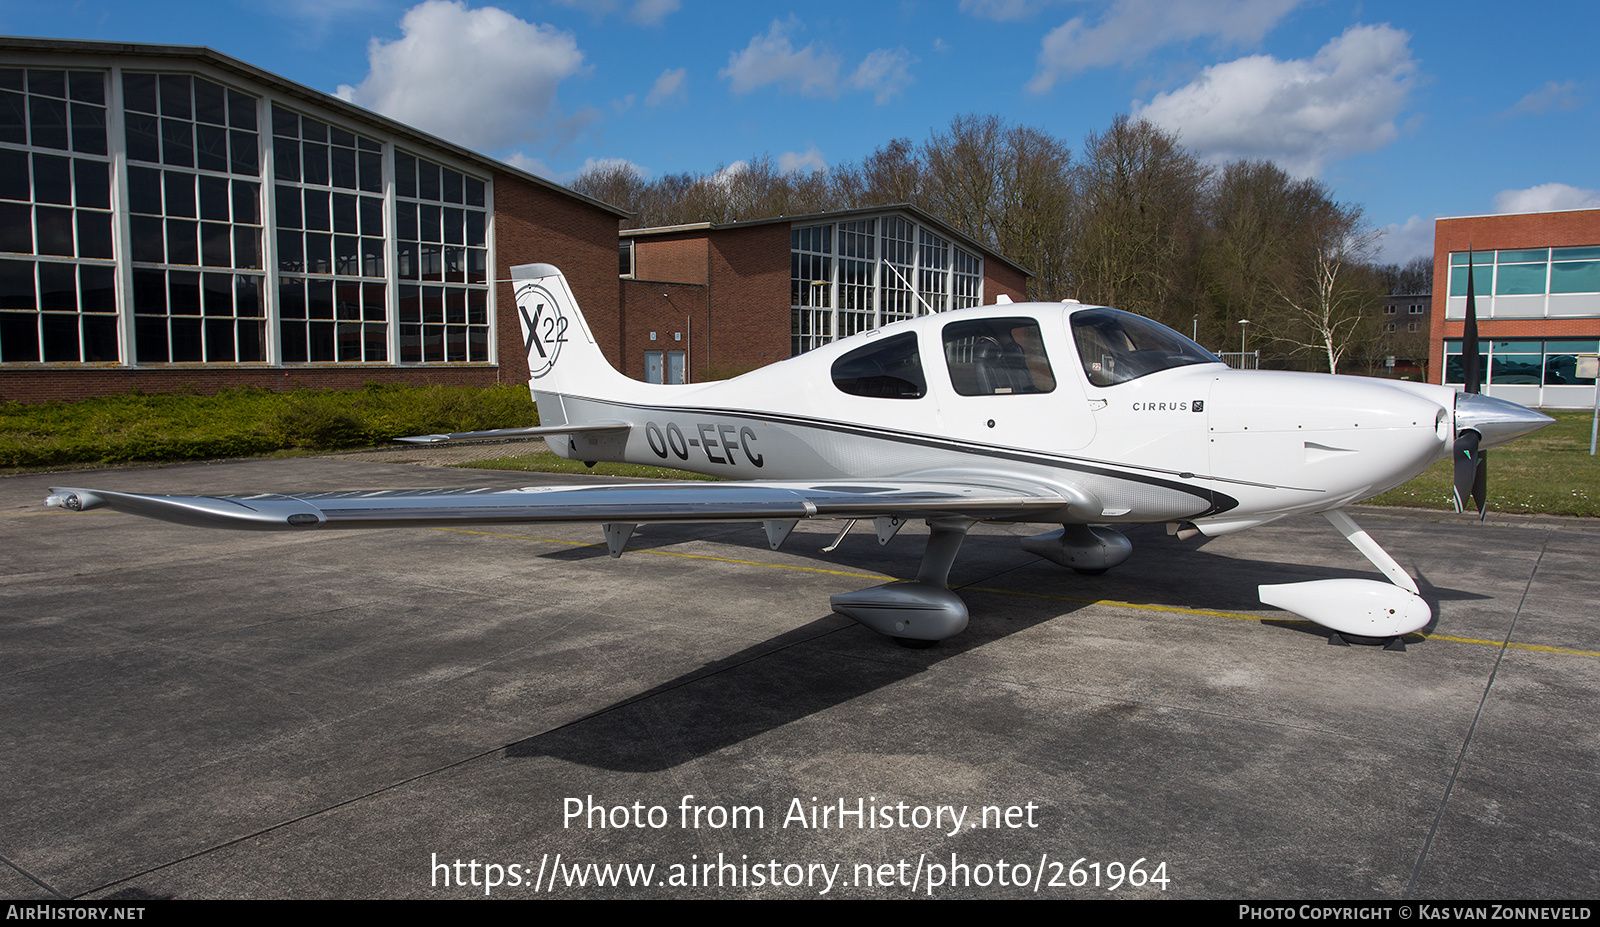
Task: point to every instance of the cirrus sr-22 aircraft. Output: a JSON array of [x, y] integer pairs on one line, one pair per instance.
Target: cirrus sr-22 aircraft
[[1081, 417]]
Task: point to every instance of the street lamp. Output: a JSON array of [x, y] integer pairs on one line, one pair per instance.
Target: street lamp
[[1242, 329]]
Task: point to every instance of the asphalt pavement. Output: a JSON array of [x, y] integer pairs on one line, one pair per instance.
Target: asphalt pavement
[[509, 712]]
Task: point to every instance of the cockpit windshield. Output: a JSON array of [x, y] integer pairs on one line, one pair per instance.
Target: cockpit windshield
[[1117, 346]]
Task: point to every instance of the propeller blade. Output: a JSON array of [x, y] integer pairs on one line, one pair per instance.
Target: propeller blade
[[1471, 359], [1480, 485], [1467, 469]]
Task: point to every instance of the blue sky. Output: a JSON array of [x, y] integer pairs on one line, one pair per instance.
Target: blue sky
[[1412, 110]]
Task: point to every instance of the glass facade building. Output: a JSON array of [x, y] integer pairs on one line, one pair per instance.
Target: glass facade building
[[1538, 310], [868, 271], [162, 211]]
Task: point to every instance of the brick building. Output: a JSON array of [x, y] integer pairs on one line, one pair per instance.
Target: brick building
[[726, 297], [173, 218], [1536, 283]]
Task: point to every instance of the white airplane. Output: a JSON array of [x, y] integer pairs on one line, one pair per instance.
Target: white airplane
[[1083, 417]]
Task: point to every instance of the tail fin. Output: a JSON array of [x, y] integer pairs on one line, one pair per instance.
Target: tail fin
[[563, 357]]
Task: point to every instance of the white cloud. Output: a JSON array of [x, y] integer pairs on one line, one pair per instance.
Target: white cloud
[[725, 176], [1132, 29], [640, 12], [481, 78], [809, 161], [1546, 197], [532, 165], [1300, 113], [669, 86], [884, 73], [653, 12], [1400, 243], [1563, 97], [813, 71], [590, 163], [323, 11], [1004, 10], [773, 59]]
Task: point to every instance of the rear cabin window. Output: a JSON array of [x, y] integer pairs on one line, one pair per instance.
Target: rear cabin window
[[997, 357], [887, 369]]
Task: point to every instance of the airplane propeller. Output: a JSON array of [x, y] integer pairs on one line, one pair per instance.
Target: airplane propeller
[[1471, 473], [1471, 463]]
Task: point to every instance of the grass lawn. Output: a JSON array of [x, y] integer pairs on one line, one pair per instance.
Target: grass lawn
[[1549, 472]]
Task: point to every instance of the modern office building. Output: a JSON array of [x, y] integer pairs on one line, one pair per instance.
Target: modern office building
[[1536, 283]]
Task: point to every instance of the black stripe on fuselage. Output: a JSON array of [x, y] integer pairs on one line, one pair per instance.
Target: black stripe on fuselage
[[1219, 502]]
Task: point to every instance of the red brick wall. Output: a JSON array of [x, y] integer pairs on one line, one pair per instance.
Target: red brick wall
[[668, 309], [533, 224], [1494, 233], [678, 258], [749, 316], [1002, 278]]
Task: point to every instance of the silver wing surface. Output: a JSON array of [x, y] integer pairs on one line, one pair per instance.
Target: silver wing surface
[[617, 503]]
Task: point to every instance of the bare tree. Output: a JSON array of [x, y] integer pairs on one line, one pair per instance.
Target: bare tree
[[1413, 278], [892, 174], [1138, 225], [1260, 228], [963, 174], [1032, 221], [1329, 310], [616, 182]]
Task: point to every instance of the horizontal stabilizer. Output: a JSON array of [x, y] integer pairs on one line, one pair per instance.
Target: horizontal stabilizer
[[513, 434]]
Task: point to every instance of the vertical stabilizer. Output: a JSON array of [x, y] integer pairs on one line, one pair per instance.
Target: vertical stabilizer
[[563, 357]]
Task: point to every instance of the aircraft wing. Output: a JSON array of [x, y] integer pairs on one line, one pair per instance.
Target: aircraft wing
[[615, 503]]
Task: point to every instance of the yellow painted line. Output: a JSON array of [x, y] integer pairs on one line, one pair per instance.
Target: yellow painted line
[[1112, 603], [1237, 616], [1241, 616], [1535, 648]]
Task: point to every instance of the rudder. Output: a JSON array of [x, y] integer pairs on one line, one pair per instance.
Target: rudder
[[563, 356]]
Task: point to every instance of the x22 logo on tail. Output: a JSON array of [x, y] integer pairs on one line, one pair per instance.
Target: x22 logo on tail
[[544, 331]]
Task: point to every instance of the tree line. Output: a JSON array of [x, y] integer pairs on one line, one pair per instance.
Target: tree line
[[1134, 221]]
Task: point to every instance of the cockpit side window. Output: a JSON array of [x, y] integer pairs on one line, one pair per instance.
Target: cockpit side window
[[1117, 346], [887, 369], [993, 357]]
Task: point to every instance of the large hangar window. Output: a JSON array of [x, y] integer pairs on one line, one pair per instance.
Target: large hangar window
[[442, 261], [332, 283], [811, 287], [194, 203], [57, 273], [863, 273]]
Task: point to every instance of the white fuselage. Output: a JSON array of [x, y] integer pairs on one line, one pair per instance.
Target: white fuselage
[[1197, 442]]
